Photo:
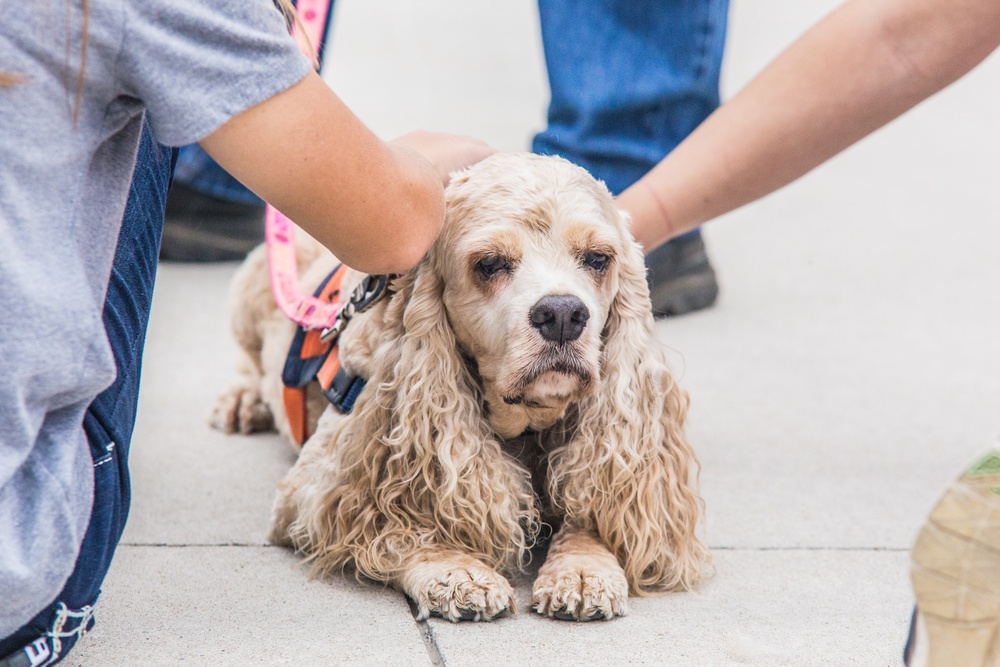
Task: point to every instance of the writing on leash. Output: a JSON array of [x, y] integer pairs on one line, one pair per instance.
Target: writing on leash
[[279, 232], [303, 309]]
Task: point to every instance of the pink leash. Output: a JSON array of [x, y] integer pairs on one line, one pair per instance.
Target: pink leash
[[303, 309]]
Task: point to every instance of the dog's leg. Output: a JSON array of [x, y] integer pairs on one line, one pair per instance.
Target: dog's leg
[[455, 586], [240, 408], [581, 580]]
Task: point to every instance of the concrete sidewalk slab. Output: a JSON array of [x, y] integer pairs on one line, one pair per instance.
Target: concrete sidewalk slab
[[763, 607], [193, 485], [238, 606]]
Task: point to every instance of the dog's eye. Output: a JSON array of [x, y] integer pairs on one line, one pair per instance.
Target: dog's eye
[[490, 266], [596, 261]]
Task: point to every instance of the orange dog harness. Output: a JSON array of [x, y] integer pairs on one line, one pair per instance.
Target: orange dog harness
[[313, 355]]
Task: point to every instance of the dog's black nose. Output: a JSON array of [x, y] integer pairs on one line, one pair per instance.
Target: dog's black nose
[[560, 318]]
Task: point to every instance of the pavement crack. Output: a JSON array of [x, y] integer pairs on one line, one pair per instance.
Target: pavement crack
[[427, 635], [430, 643]]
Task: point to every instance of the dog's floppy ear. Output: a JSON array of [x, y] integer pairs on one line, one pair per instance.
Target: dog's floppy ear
[[418, 463], [629, 465]]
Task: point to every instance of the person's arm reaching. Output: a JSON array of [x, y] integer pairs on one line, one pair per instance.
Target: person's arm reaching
[[859, 68], [378, 206]]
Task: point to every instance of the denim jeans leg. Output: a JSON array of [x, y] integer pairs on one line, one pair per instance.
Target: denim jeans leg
[[201, 173], [110, 419], [629, 80]]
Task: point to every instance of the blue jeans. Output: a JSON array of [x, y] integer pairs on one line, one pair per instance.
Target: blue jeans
[[629, 79], [198, 171], [110, 419]]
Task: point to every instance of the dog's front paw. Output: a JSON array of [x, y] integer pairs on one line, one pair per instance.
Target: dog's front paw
[[241, 409], [580, 587], [456, 587]]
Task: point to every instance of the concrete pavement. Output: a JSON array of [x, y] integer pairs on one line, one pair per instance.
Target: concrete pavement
[[848, 372]]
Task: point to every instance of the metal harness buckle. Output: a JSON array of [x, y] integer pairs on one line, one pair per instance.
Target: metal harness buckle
[[371, 290]]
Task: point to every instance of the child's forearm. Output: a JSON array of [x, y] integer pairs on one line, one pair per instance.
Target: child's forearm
[[858, 69], [377, 206]]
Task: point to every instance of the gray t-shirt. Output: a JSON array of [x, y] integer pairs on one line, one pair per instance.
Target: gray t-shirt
[[190, 65]]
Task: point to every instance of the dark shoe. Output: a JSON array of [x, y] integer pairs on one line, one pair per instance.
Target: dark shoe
[[202, 228], [955, 569], [680, 278]]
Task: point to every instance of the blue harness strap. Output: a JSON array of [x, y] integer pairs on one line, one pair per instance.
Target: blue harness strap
[[344, 390]]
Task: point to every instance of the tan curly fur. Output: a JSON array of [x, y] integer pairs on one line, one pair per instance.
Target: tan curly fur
[[626, 473], [487, 415]]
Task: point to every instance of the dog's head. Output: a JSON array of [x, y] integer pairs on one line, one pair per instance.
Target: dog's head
[[532, 300], [532, 259]]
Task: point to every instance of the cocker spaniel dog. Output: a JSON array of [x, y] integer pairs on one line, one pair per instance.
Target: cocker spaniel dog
[[514, 384]]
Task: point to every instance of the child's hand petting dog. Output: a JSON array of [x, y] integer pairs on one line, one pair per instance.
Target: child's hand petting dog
[[447, 152]]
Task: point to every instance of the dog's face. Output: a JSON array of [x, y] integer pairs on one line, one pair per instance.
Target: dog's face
[[529, 260]]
